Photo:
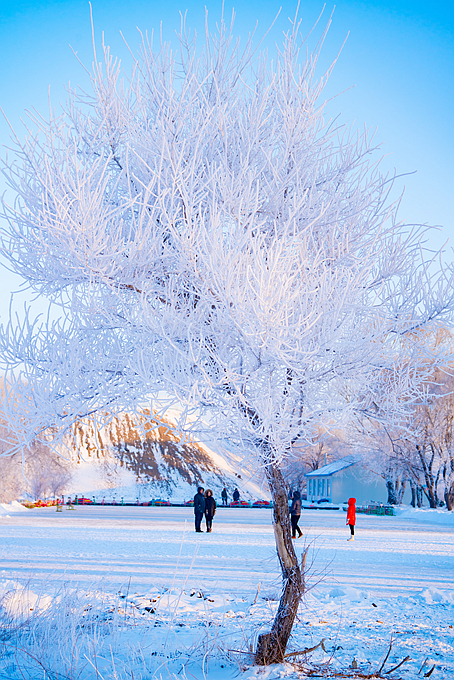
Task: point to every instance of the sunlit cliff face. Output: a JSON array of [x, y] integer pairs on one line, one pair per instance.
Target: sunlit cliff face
[[148, 449]]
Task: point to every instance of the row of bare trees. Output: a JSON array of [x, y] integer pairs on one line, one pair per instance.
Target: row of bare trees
[[419, 455], [416, 456], [38, 472], [328, 446]]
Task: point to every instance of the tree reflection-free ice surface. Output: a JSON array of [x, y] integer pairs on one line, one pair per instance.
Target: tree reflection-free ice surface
[[156, 587]]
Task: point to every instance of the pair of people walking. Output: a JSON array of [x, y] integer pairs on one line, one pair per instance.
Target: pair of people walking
[[224, 496], [204, 504]]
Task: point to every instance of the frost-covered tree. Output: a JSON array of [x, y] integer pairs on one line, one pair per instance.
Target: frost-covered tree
[[11, 479], [305, 457], [34, 469], [46, 473], [418, 452], [383, 447], [430, 452], [210, 237], [38, 473]]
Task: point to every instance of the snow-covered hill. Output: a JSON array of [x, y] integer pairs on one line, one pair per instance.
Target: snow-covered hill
[[137, 457]]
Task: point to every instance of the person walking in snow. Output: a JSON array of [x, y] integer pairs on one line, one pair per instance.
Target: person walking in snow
[[224, 496], [199, 508], [351, 518], [236, 496], [295, 514], [210, 509]]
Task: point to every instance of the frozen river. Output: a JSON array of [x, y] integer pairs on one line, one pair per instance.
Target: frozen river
[[170, 594], [152, 545]]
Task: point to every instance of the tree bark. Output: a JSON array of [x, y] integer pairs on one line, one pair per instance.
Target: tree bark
[[430, 490], [419, 495], [448, 470], [392, 498], [413, 496], [271, 646], [400, 491]]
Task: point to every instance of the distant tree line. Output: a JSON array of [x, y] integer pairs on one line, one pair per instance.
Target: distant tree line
[[37, 472], [416, 455]]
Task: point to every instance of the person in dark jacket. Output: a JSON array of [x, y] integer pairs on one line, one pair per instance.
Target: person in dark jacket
[[199, 508], [295, 514], [351, 517], [224, 496], [210, 509], [236, 495]]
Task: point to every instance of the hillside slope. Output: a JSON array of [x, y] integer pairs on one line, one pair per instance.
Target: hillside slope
[[140, 457]]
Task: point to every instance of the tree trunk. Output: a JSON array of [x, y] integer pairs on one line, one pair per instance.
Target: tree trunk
[[419, 496], [430, 490], [449, 496], [392, 499], [448, 470], [271, 646], [413, 496], [430, 495], [401, 491]]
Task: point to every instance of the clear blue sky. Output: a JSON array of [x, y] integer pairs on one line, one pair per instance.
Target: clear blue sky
[[398, 60]]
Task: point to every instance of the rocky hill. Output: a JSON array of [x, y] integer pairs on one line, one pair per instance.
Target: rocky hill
[[142, 457]]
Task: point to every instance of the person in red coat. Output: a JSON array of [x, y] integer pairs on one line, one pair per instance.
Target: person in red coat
[[351, 518]]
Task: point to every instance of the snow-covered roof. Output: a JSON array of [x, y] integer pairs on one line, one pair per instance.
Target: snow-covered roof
[[337, 465]]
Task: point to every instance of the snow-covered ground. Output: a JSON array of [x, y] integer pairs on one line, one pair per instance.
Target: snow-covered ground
[[134, 592]]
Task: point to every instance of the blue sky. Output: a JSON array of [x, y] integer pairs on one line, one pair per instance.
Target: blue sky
[[398, 62]]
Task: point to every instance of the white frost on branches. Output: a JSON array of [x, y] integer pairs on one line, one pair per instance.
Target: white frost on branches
[[210, 238]]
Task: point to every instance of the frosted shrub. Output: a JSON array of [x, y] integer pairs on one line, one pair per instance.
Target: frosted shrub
[[70, 635]]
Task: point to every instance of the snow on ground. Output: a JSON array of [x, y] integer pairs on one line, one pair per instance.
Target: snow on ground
[[150, 598], [8, 508]]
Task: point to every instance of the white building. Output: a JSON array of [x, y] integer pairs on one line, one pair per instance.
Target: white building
[[346, 478]]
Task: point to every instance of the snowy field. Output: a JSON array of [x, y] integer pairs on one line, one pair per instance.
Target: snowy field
[[134, 592]]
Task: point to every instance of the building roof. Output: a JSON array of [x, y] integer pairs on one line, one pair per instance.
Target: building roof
[[336, 466]]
